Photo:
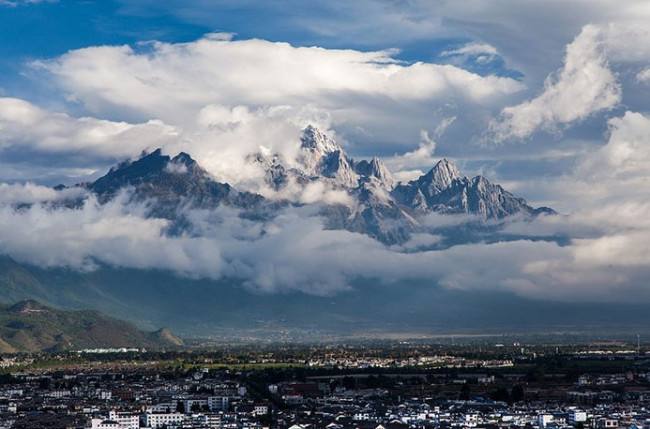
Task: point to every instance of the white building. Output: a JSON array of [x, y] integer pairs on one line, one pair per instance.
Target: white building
[[104, 394], [577, 416], [191, 405], [125, 420], [58, 394], [260, 409], [155, 421], [544, 419], [103, 424], [218, 403]]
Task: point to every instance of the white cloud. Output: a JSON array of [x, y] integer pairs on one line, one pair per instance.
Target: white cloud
[[584, 85], [14, 3], [29, 193], [27, 126], [644, 76], [423, 156], [626, 154], [473, 48], [110, 234], [174, 81], [294, 252], [480, 53]]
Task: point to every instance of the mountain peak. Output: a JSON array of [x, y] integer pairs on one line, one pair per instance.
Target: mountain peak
[[376, 169], [184, 158], [314, 139], [441, 175]]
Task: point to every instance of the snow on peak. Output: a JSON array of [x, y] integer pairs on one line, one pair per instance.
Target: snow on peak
[[315, 140]]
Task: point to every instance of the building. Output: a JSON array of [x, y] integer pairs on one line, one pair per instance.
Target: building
[[155, 421], [218, 403], [103, 424], [577, 416], [125, 420], [544, 419]]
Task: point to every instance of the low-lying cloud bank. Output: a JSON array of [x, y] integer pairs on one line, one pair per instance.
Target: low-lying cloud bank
[[605, 262]]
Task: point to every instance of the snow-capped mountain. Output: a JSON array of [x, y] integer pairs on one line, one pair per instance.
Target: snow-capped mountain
[[380, 208]]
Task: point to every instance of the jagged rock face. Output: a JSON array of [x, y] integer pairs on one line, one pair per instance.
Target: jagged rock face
[[338, 167], [477, 196], [378, 215], [419, 193], [444, 190], [375, 169]]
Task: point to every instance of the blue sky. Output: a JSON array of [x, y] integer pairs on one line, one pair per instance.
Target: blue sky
[[51, 28]]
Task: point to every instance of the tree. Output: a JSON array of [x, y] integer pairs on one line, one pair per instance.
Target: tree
[[349, 382], [518, 394], [464, 392], [501, 395]]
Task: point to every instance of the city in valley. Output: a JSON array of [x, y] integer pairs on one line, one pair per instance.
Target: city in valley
[[479, 383]]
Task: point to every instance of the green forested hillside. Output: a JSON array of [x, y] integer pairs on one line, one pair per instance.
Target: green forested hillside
[[30, 326]]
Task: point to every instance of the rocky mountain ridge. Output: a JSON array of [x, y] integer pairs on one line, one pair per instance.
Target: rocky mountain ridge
[[381, 208]]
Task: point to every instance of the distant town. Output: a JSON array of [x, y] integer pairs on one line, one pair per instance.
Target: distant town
[[389, 385]]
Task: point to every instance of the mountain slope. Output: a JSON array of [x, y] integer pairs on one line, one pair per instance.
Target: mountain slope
[[30, 326]]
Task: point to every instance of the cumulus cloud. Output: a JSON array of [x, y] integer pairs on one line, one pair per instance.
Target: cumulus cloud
[[225, 136], [583, 86], [366, 93], [626, 155], [111, 234], [407, 166], [28, 127]]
